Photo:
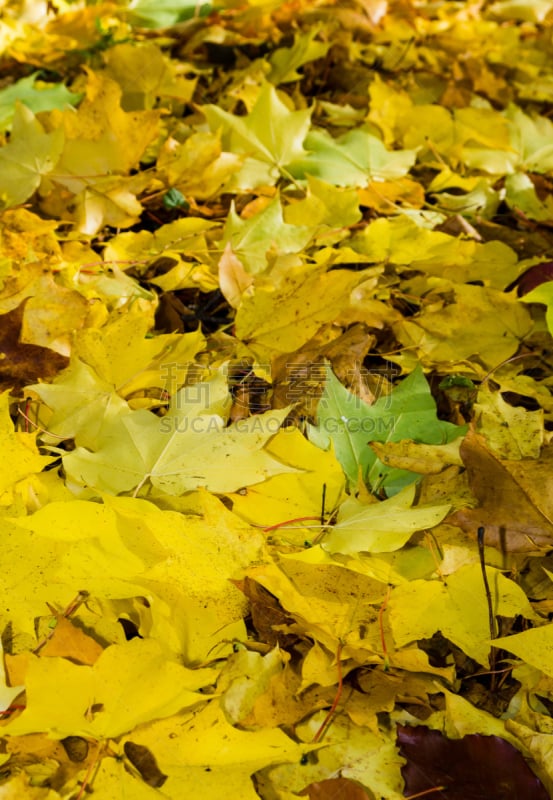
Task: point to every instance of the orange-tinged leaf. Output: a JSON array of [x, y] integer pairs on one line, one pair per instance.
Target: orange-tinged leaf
[[233, 278], [335, 789], [69, 641], [387, 196]]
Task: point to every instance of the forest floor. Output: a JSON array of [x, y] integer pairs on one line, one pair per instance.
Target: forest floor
[[276, 308]]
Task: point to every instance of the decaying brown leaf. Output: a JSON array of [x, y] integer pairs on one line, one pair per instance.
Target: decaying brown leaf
[[515, 498], [22, 364]]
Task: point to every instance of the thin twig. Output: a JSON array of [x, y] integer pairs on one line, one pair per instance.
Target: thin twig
[[491, 617]]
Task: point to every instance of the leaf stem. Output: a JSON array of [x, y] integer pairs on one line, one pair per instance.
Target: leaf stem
[[426, 792], [332, 710], [288, 522]]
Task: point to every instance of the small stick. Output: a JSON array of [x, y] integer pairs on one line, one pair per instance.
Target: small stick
[[491, 618]]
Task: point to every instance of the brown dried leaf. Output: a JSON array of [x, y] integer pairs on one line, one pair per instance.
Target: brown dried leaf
[[143, 760], [335, 789], [22, 364], [515, 498], [268, 616]]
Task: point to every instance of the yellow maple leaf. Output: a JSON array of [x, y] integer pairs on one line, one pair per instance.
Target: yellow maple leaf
[[20, 456], [30, 154], [202, 752], [102, 141], [128, 685]]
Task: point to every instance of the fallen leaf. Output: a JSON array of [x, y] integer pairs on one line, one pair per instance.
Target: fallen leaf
[[69, 641], [475, 766], [30, 154], [41, 97], [190, 447], [21, 457], [8, 693], [301, 304], [268, 150], [381, 527], [286, 61], [511, 432], [22, 363], [335, 789], [265, 235], [233, 278], [361, 755], [534, 646], [458, 609], [346, 420], [513, 498], [187, 749], [425, 459], [128, 685], [142, 758], [354, 159]]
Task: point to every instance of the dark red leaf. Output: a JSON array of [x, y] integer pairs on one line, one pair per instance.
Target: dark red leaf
[[536, 275], [475, 767]]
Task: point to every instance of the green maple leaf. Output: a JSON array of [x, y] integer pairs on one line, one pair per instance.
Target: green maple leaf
[[270, 137], [409, 412], [54, 95], [353, 159], [163, 13]]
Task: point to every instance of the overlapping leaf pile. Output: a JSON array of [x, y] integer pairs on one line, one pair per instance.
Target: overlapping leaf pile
[[275, 320]]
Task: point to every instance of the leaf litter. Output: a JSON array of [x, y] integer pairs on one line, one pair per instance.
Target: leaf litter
[[276, 417]]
